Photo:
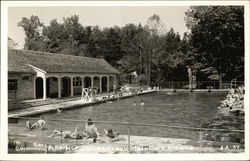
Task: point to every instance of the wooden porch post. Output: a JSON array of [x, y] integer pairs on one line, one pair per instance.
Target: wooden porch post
[[92, 82], [59, 87], [82, 83], [108, 84], [34, 83], [100, 78], [44, 88], [71, 86]]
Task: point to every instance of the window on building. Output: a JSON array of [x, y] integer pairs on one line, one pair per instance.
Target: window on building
[[12, 84], [77, 81], [26, 77]]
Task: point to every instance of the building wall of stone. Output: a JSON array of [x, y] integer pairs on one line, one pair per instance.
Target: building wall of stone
[[77, 90], [25, 88]]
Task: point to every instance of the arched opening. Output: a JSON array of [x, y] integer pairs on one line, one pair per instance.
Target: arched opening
[[111, 83], [52, 87], [66, 86], [97, 84], [87, 82], [77, 85], [104, 84], [39, 87]]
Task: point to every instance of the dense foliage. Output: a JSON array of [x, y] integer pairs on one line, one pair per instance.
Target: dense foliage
[[217, 34], [214, 48]]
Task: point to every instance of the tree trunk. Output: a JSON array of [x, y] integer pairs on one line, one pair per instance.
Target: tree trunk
[[149, 74], [220, 80], [149, 68]]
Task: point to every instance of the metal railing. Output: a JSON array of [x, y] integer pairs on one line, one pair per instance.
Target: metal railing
[[127, 126], [201, 84]]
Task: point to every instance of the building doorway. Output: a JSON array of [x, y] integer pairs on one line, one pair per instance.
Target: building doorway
[[87, 82], [66, 89], [104, 84], [39, 88], [52, 87]]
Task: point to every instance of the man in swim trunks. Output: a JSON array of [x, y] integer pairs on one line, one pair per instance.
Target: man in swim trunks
[[91, 130]]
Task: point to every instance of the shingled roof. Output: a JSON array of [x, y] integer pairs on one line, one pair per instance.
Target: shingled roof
[[19, 60]]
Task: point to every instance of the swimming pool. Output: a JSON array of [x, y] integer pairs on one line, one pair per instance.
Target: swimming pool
[[161, 108]]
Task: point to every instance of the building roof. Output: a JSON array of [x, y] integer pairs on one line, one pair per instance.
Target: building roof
[[19, 61]]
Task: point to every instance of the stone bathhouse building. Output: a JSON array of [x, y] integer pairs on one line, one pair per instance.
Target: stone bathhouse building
[[41, 75]]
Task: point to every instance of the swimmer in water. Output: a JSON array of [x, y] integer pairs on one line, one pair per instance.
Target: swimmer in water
[[59, 110], [142, 103], [135, 104]]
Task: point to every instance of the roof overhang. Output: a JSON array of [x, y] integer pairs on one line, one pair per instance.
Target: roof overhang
[[37, 69]]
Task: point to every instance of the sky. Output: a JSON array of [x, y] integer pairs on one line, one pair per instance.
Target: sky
[[103, 16]]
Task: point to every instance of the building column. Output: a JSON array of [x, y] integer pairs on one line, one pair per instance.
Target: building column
[[100, 78], [92, 82], [59, 87], [108, 84], [44, 88], [82, 82], [114, 83], [34, 83], [71, 86]]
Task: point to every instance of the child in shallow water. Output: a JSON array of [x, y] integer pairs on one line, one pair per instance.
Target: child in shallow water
[[135, 104], [142, 103]]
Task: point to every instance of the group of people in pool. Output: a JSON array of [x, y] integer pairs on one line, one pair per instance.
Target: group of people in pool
[[235, 98], [140, 104], [89, 132]]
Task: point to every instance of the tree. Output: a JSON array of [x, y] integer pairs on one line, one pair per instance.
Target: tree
[[32, 28], [54, 36], [217, 33], [11, 43], [150, 50]]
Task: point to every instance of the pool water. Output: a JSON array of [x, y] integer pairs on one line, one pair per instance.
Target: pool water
[[161, 108]]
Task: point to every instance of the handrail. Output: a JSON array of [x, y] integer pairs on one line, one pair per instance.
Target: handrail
[[137, 124]]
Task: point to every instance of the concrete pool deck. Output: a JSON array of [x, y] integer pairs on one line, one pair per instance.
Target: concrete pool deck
[[138, 145], [194, 90], [66, 105]]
